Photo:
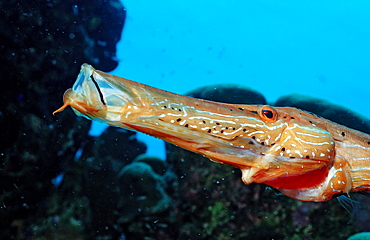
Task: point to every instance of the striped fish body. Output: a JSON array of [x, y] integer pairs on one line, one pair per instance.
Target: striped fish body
[[306, 157]]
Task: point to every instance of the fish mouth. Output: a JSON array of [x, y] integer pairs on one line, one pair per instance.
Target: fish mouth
[[85, 93], [86, 84], [94, 95], [104, 93]]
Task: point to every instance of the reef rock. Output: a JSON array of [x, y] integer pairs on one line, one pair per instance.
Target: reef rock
[[228, 93], [143, 191], [158, 165], [44, 44], [118, 144]]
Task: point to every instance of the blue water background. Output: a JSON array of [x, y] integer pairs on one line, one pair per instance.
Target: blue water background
[[316, 48]]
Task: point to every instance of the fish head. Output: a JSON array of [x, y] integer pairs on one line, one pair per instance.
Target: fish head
[[289, 147]]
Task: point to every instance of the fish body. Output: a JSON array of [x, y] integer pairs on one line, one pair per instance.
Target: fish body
[[306, 157]]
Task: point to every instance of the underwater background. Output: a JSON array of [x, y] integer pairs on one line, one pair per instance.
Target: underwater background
[[62, 179]]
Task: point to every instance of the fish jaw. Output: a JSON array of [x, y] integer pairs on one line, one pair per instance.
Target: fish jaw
[[84, 97], [99, 98]]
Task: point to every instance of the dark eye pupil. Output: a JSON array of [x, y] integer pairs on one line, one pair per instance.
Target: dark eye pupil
[[267, 113]]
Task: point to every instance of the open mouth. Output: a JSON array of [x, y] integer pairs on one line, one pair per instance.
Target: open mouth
[[86, 84], [94, 86]]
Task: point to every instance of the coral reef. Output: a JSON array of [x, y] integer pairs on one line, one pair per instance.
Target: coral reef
[[145, 208], [228, 93], [43, 45], [142, 191]]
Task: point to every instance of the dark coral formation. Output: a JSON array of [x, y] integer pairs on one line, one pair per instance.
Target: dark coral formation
[[116, 143], [43, 44], [228, 93], [143, 189]]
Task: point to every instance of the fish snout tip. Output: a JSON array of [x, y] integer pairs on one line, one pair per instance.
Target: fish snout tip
[[61, 108], [66, 100]]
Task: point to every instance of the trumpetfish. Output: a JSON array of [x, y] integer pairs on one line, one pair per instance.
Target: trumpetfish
[[304, 156]]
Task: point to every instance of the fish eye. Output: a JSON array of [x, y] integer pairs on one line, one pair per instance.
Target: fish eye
[[268, 114]]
